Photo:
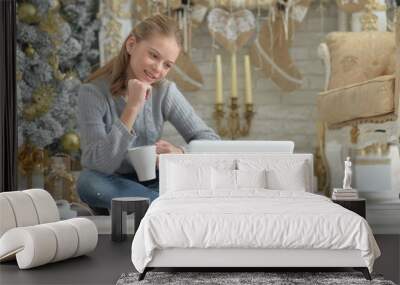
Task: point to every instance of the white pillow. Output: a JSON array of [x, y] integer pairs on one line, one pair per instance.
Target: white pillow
[[227, 179], [251, 178], [281, 174], [183, 177], [292, 177], [223, 179]]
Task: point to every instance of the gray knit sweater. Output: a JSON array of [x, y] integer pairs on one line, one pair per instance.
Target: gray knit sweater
[[105, 139]]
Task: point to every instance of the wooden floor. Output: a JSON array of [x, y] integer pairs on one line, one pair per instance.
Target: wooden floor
[[102, 266], [110, 259]]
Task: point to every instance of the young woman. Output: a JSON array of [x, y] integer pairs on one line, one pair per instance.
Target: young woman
[[125, 104]]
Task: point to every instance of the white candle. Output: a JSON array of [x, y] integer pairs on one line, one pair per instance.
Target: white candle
[[218, 81], [248, 87], [185, 30], [180, 20], [234, 76]]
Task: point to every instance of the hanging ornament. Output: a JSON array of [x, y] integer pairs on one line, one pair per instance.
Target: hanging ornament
[[198, 13], [239, 4], [19, 75], [299, 9], [38, 169], [71, 74], [29, 51], [145, 8], [42, 98], [70, 142], [55, 5], [270, 52], [52, 24], [325, 2], [185, 74], [27, 13], [54, 63], [25, 159], [174, 4], [31, 164], [231, 30], [60, 182], [351, 6]]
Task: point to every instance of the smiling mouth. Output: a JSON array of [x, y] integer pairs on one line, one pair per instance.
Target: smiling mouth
[[149, 75]]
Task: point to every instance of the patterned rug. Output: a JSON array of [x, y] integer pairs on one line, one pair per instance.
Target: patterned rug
[[244, 278]]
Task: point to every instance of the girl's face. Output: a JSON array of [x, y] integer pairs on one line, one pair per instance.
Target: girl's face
[[152, 58]]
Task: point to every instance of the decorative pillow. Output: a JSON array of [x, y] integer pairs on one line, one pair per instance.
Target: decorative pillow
[[361, 56], [358, 101], [232, 30], [182, 177], [281, 174], [292, 177], [251, 178], [223, 179]]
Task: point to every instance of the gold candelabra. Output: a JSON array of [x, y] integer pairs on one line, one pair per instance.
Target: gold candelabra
[[233, 129]]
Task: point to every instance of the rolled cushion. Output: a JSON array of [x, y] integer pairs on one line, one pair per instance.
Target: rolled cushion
[[7, 220], [33, 246], [87, 235], [40, 244], [22, 207], [67, 240], [26, 208], [358, 101], [45, 205], [358, 57]]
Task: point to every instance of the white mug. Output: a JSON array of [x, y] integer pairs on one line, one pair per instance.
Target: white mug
[[143, 159]]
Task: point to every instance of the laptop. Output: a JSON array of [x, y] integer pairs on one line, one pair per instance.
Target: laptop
[[202, 146]]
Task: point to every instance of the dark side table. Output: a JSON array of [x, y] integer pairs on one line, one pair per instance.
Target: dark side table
[[355, 205], [120, 208]]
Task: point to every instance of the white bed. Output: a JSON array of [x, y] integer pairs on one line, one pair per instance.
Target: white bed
[[216, 211]]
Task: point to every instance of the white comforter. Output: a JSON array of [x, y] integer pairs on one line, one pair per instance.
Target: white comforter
[[250, 219]]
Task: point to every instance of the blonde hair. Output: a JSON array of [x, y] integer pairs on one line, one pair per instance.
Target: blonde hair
[[116, 68]]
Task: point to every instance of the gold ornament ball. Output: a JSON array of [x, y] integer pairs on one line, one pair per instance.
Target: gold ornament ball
[[55, 5], [29, 51], [27, 13], [19, 76], [70, 142]]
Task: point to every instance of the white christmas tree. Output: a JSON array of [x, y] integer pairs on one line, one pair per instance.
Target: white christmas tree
[[57, 47]]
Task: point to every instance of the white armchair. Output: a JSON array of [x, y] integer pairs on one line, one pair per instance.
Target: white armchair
[[359, 108], [31, 233]]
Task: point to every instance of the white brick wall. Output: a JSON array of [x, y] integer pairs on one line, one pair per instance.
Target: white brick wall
[[279, 115]]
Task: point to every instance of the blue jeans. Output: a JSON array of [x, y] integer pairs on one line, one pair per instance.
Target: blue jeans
[[97, 189]]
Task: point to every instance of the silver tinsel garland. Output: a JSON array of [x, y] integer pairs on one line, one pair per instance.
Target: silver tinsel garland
[[56, 62]]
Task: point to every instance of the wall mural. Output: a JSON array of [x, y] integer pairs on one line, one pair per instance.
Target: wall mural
[[58, 46]]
